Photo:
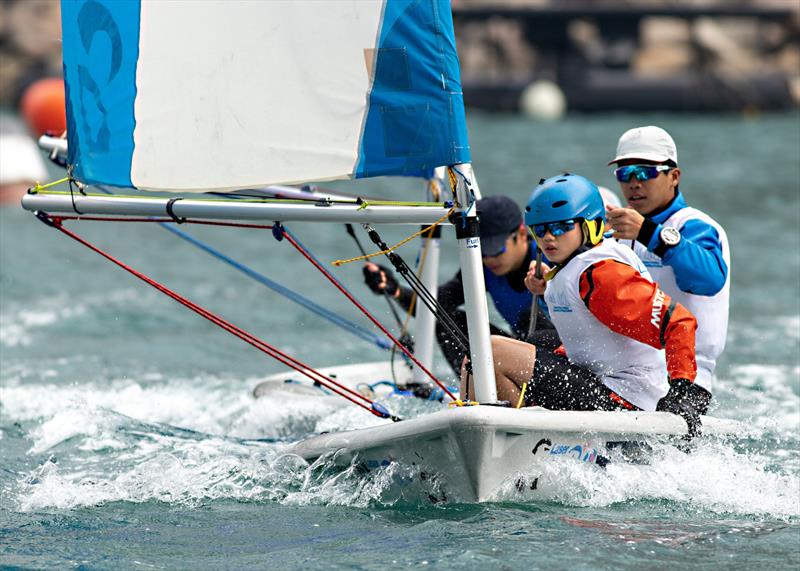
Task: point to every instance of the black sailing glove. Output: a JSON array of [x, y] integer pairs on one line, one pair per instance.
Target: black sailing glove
[[379, 279], [688, 401]]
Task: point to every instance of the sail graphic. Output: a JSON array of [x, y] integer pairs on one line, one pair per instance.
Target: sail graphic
[[211, 95]]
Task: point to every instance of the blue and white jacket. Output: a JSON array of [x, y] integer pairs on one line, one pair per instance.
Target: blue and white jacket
[[695, 273]]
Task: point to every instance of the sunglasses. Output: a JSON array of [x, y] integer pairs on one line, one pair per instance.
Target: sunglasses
[[555, 228], [641, 172]]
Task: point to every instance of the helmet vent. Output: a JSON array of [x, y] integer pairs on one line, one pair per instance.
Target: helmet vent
[[562, 180], [559, 203]]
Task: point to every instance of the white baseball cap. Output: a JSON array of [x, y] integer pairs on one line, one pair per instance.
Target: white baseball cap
[[649, 143]]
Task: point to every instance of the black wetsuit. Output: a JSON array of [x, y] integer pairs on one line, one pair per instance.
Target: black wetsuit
[[451, 297]]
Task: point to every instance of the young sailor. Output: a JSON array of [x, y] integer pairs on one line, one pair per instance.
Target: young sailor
[[507, 253], [685, 250], [611, 317]]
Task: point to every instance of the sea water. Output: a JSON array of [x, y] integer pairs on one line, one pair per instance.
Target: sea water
[[130, 440]]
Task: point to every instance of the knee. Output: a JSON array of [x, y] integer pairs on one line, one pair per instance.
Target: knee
[[498, 342]]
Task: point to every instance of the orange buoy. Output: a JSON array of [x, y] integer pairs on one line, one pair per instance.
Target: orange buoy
[[43, 106]]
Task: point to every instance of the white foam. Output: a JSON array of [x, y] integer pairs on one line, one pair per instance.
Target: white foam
[[118, 441], [64, 425], [713, 478], [174, 472], [766, 395], [217, 406]]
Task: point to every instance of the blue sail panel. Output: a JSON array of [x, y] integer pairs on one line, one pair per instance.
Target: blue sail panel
[[415, 119], [101, 45]]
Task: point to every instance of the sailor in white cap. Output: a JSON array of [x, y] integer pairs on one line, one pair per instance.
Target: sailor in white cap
[[686, 250]]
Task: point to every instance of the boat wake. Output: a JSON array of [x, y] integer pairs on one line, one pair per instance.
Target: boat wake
[[190, 441]]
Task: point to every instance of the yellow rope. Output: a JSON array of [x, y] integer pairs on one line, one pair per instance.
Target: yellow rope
[[453, 182], [39, 187], [522, 394], [459, 403], [365, 203], [400, 243]]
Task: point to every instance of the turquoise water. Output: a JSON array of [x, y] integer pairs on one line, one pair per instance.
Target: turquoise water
[[129, 438]]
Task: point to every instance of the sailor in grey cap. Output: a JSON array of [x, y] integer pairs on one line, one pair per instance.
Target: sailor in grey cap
[[686, 250], [507, 253]]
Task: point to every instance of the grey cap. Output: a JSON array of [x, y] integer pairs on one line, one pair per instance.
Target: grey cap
[[499, 217]]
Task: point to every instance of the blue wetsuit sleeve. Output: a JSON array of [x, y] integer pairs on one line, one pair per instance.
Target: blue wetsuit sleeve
[[697, 259]]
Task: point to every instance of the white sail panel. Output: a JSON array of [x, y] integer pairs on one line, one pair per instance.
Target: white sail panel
[[255, 87]]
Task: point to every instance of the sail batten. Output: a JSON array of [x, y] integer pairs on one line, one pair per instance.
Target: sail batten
[[207, 95]]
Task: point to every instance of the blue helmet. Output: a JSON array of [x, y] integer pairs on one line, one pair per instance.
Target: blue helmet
[[564, 197]]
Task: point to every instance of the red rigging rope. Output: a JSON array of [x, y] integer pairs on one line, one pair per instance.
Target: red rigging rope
[[162, 221], [364, 310], [277, 354]]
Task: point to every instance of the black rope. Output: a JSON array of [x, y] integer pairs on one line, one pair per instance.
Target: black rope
[[72, 195], [405, 338], [352, 233], [423, 294], [170, 203]]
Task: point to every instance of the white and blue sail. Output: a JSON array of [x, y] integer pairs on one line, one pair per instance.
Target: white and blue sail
[[210, 95]]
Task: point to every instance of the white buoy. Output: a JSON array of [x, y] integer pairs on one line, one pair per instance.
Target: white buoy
[[543, 100]]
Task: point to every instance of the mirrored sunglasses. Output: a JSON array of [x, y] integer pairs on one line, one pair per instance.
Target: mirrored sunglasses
[[556, 228], [641, 172]]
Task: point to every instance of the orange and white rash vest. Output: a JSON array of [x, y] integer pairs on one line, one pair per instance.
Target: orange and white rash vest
[[613, 320]]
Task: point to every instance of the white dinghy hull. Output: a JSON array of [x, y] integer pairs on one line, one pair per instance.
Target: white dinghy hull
[[479, 451], [376, 375]]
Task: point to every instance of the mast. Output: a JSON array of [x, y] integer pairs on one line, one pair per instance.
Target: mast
[[469, 254], [425, 327]]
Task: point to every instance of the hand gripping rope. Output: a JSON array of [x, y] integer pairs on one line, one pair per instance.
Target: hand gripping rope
[[422, 292], [275, 353]]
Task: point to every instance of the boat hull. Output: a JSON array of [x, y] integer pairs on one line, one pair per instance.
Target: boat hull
[[482, 451]]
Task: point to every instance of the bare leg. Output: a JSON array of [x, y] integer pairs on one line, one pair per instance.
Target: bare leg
[[513, 367]]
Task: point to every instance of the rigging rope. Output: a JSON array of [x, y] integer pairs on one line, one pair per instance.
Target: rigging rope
[[275, 353], [39, 187], [334, 318], [423, 294], [167, 224], [404, 333], [400, 243], [366, 312], [351, 232]]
